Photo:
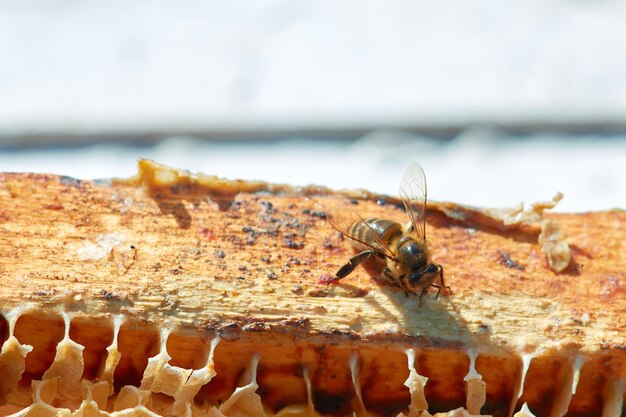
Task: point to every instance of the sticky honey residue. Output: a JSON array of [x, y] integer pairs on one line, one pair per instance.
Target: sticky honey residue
[[157, 177]]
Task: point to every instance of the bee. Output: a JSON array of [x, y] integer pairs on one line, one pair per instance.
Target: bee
[[403, 251]]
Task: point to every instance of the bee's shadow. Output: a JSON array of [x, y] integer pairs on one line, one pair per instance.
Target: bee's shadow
[[435, 317], [430, 316]]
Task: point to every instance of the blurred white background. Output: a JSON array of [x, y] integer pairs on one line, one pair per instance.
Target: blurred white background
[[500, 101]]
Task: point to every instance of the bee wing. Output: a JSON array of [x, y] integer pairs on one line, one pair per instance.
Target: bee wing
[[342, 218], [413, 195]]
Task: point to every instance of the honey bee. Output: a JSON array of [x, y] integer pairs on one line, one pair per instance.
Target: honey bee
[[403, 251]]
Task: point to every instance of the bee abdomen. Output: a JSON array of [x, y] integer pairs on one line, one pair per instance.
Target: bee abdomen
[[373, 230]]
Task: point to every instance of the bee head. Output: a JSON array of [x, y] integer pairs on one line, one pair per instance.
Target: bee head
[[420, 279]]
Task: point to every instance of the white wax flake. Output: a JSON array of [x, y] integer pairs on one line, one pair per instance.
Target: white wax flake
[[196, 380], [13, 353], [13, 364], [614, 398], [127, 203], [577, 365], [67, 319], [526, 359], [245, 401], [356, 383], [524, 412], [410, 358], [251, 372], [164, 334], [132, 397], [392, 328], [68, 364], [12, 315], [216, 340], [45, 390], [585, 318], [110, 239], [40, 408], [415, 383], [567, 383], [95, 251], [88, 408], [300, 410], [99, 392], [472, 374], [476, 394], [91, 252], [118, 320], [309, 392], [156, 362], [457, 412], [113, 355], [554, 323]]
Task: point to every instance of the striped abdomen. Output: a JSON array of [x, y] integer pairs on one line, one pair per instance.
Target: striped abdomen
[[366, 231]]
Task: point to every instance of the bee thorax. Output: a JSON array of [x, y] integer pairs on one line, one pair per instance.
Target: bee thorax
[[412, 254]]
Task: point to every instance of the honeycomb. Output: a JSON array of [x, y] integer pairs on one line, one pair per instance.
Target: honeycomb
[[169, 390], [175, 294]]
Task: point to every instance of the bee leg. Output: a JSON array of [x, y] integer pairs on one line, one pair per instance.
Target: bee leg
[[443, 284], [422, 294], [438, 289], [345, 270], [390, 279]]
